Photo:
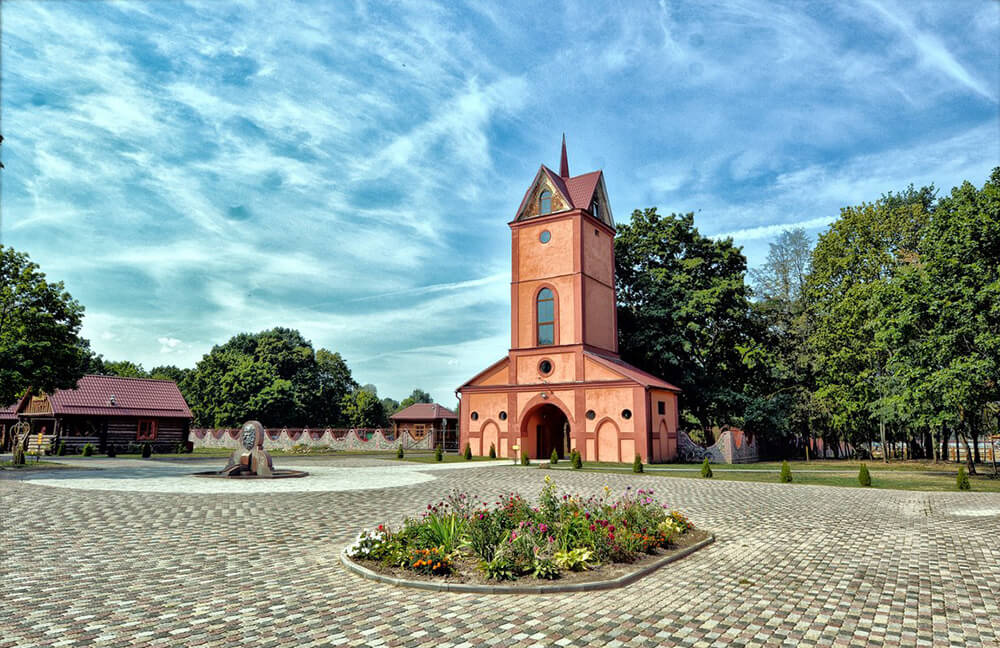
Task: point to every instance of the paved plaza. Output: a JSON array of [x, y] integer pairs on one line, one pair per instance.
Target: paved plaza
[[127, 557]]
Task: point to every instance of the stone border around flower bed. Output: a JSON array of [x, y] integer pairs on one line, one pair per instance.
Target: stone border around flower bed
[[590, 586]]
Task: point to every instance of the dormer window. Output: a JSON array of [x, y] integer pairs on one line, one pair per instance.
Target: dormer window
[[545, 202], [595, 210]]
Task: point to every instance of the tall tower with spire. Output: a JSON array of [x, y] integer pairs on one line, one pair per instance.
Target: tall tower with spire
[[562, 384]]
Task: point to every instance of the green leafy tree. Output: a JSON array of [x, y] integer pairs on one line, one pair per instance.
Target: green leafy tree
[[169, 372], [417, 396], [40, 347], [683, 312], [273, 376], [363, 409], [124, 368]]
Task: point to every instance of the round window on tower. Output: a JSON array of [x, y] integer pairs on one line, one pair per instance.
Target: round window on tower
[[545, 236], [591, 415], [503, 416], [545, 367], [474, 416], [626, 413]]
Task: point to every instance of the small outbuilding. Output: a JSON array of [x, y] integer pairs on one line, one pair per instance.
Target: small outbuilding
[[109, 410], [421, 419]]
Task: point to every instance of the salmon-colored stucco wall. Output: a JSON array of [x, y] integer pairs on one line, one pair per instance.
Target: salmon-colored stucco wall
[[489, 406], [664, 427], [537, 260], [609, 403], [563, 368], [595, 371], [498, 377], [600, 314], [597, 250], [527, 311]]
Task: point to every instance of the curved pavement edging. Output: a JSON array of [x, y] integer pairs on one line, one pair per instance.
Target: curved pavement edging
[[590, 586]]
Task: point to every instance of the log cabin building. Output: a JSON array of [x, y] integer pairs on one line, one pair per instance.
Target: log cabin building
[[421, 419], [562, 385], [108, 410]]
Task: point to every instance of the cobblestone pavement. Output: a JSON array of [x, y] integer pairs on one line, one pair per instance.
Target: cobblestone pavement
[[793, 565]]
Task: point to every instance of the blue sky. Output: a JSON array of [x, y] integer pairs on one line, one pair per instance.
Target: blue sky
[[196, 169]]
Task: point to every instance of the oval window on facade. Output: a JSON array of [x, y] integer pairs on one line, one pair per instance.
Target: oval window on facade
[[503, 416], [591, 415], [545, 367], [474, 416], [545, 236], [626, 413]]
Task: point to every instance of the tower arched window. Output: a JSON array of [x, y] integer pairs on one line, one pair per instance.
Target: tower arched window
[[546, 308], [545, 202]]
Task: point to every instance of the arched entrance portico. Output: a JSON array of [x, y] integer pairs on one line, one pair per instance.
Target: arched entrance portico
[[544, 428]]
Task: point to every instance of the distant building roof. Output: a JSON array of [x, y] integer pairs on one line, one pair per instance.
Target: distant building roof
[[424, 412], [8, 413], [131, 397]]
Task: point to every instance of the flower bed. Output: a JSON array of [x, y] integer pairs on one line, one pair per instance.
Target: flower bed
[[565, 537]]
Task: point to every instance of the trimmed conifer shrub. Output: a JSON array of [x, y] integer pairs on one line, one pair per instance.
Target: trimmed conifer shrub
[[493, 452], [438, 453], [637, 464], [864, 477], [706, 470], [147, 451], [554, 458], [525, 460], [61, 449], [468, 452], [399, 451], [577, 460], [786, 472], [88, 450], [111, 450], [962, 481]]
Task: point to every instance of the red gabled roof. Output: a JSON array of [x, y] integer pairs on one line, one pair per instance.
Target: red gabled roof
[[8, 413], [630, 372], [581, 189], [132, 397], [424, 412]]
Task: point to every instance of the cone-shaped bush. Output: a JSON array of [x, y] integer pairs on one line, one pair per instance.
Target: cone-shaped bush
[[706, 470], [962, 481], [637, 464], [147, 451], [577, 460], [864, 477], [399, 452], [111, 450], [786, 472], [493, 452], [88, 450], [525, 460], [468, 452], [438, 453], [61, 449], [554, 458]]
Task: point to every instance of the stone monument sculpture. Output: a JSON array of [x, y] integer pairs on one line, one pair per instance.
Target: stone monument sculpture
[[250, 460]]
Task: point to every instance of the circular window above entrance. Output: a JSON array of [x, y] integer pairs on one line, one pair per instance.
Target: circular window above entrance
[[503, 416], [474, 416], [545, 236], [545, 367], [591, 415], [626, 413]]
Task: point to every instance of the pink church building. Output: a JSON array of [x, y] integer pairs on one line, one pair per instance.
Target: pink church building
[[562, 384]]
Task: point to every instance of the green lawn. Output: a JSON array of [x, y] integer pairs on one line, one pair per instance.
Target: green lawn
[[913, 475]]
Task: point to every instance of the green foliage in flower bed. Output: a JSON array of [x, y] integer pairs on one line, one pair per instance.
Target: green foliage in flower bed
[[512, 538]]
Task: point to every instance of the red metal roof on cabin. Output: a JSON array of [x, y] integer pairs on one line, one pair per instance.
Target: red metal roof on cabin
[[424, 412], [133, 397], [633, 373], [7, 413]]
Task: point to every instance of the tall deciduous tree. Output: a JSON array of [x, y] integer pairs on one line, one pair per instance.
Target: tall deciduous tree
[[124, 368], [416, 396], [683, 311], [40, 347], [363, 409]]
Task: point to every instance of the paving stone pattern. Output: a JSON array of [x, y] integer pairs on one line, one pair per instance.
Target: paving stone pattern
[[792, 566]]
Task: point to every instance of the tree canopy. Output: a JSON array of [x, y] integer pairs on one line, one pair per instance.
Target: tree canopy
[[40, 346]]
